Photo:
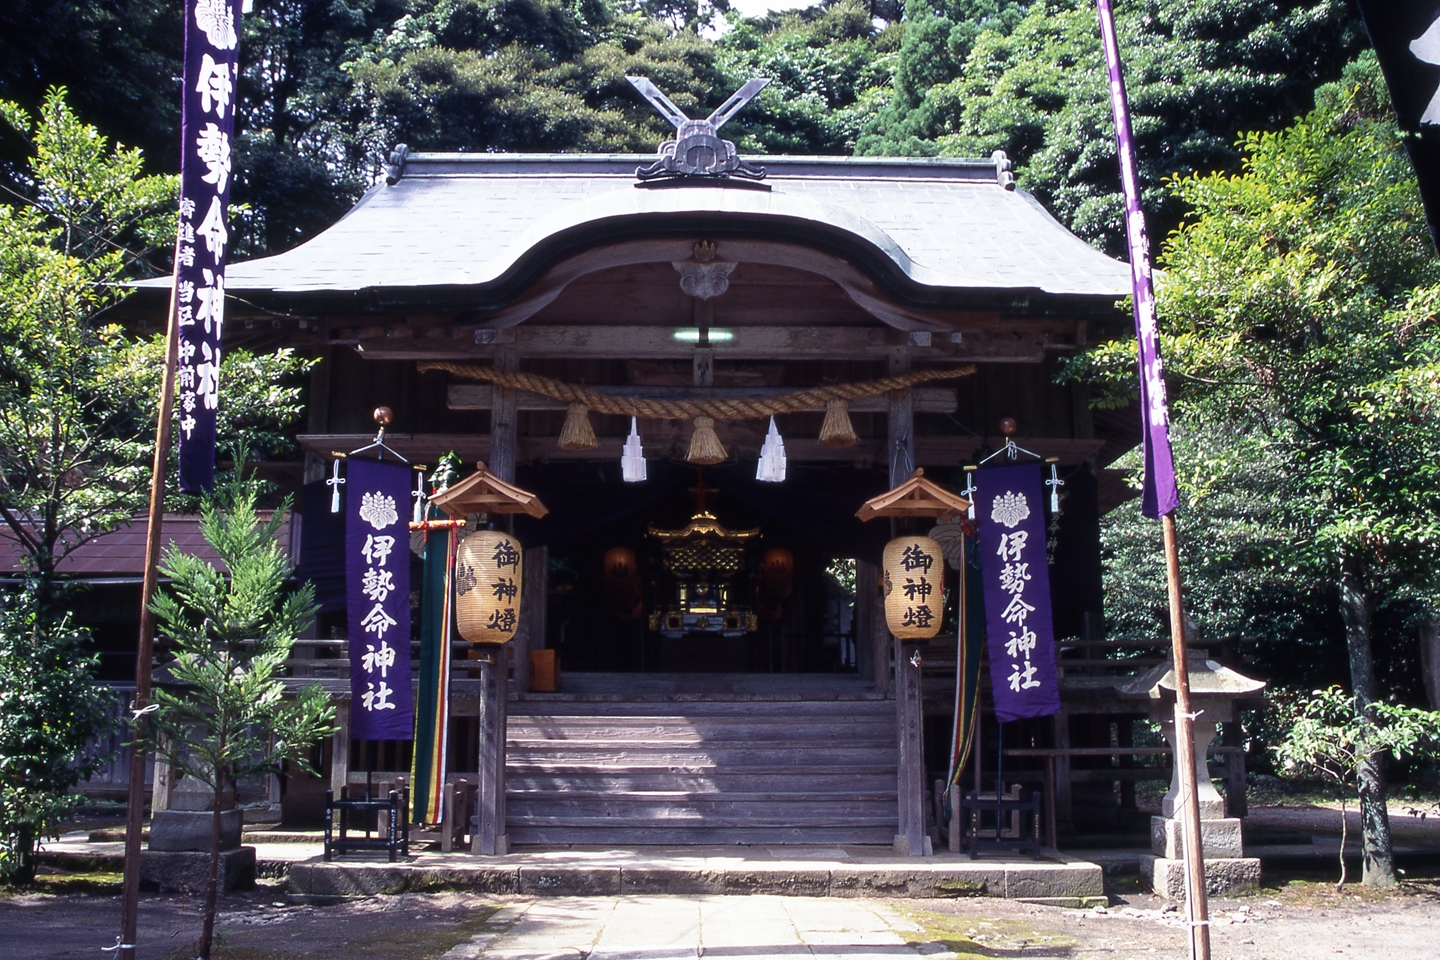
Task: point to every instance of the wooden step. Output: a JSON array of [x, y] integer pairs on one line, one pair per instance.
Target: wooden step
[[627, 836], [697, 771], [632, 781]]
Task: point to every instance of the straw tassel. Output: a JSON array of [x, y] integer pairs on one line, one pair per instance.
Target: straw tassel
[[632, 457], [577, 434], [705, 447], [837, 431], [771, 468]]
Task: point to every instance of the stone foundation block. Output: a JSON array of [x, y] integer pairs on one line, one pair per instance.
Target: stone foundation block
[[570, 881], [783, 882], [638, 881], [1220, 839], [185, 871], [1223, 877], [172, 830]]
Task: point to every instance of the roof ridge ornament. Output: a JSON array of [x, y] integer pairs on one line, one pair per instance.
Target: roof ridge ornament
[[697, 150]]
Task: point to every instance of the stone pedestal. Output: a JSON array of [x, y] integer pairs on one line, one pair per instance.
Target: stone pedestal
[[189, 872], [1224, 876], [1219, 838], [181, 830], [186, 825]]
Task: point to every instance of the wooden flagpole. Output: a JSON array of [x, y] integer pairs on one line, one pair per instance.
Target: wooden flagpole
[[1159, 470], [145, 647], [1199, 912]]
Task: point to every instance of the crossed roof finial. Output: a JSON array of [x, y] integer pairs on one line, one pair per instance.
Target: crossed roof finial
[[697, 150]]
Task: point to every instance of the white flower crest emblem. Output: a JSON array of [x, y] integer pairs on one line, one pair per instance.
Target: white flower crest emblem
[[214, 18], [378, 510], [1010, 508]]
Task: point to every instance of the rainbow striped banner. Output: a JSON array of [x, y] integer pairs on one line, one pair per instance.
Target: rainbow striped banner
[[432, 702]]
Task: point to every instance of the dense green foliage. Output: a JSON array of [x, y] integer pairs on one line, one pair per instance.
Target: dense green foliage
[[1297, 313], [77, 395], [330, 86], [222, 707], [1298, 319], [50, 711]]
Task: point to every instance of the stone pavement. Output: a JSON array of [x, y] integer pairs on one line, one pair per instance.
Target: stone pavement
[[672, 928]]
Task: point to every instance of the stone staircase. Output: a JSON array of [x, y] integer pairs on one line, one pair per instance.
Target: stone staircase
[[738, 770]]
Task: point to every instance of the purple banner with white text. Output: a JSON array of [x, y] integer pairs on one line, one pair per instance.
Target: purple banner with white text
[[1160, 495], [377, 600], [207, 125], [1019, 630]]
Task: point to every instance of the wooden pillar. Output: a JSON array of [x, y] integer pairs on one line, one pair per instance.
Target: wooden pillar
[[866, 600], [488, 836], [531, 634], [1064, 804], [900, 441], [340, 748], [882, 645], [503, 415], [911, 779]]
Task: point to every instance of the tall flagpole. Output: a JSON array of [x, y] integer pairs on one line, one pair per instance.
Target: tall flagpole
[[1161, 495], [145, 648]]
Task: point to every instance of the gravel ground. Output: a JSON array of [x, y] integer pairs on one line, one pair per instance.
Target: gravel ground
[[1297, 921]]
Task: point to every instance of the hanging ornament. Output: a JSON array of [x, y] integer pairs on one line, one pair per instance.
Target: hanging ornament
[[705, 446], [418, 515], [577, 434], [837, 431], [335, 483], [1054, 483], [969, 492], [487, 587], [913, 584], [632, 457], [771, 468]]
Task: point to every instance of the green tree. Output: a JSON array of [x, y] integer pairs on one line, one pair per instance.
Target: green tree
[[1197, 73], [1328, 738], [50, 711], [77, 395], [223, 712], [72, 454], [1298, 310], [822, 63]]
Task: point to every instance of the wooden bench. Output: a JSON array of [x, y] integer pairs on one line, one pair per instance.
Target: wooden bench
[[395, 808]]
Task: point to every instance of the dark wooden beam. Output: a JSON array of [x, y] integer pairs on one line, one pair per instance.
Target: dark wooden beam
[[1017, 343]]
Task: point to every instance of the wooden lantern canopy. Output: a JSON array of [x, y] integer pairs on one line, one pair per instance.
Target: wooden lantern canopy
[[489, 563], [912, 576]]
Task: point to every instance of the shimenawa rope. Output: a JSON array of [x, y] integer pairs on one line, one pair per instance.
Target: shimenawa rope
[[740, 408]]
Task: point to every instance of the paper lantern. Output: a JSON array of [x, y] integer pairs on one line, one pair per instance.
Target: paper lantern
[[622, 582], [487, 586], [913, 583], [777, 573]]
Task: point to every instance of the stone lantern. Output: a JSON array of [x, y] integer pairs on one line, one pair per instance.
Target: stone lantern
[[1215, 691]]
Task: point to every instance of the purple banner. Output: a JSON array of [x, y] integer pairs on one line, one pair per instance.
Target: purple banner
[[377, 599], [1019, 632], [207, 124], [1159, 495]]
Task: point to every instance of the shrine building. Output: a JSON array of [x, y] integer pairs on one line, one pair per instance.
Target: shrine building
[[738, 683]]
